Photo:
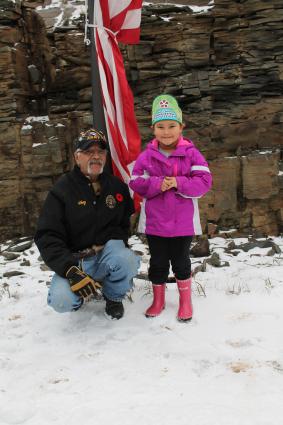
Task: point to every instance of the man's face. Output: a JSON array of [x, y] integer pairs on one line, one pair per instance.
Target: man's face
[[91, 161]]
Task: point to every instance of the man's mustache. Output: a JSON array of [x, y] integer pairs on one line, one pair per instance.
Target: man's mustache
[[95, 162]]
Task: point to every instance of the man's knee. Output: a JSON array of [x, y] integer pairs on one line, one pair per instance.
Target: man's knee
[[60, 301], [60, 297], [125, 263]]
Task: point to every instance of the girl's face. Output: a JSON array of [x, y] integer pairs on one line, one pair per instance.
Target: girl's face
[[167, 133]]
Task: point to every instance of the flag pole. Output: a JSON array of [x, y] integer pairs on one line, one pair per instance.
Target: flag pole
[[97, 103], [98, 117]]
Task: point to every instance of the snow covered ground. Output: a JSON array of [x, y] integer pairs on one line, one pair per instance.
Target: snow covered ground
[[223, 368]]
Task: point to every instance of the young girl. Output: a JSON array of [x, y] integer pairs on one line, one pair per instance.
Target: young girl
[[170, 175]]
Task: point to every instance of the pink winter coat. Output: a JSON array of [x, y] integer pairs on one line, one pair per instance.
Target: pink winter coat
[[173, 212]]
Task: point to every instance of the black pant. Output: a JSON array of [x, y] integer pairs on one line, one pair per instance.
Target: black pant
[[165, 250]]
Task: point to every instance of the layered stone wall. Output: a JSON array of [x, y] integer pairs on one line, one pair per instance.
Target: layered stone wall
[[225, 66]]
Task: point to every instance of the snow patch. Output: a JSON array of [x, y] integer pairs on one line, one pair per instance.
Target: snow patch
[[167, 19], [200, 9], [195, 9], [42, 118], [227, 231], [34, 145]]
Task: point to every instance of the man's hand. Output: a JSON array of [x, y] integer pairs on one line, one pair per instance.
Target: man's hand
[[168, 183], [82, 284]]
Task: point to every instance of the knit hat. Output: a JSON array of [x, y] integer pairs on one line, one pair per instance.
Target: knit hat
[[89, 137], [165, 107]]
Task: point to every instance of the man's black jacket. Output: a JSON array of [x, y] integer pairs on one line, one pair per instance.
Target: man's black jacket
[[74, 218]]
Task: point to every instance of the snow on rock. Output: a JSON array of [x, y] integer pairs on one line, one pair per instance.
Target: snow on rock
[[61, 13], [194, 8], [41, 118], [58, 13]]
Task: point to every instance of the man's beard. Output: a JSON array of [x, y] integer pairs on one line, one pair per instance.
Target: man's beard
[[92, 162]]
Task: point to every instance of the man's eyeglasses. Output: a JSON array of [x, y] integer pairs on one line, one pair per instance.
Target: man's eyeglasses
[[90, 152]]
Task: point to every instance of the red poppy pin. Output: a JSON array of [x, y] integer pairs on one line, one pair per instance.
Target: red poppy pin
[[119, 197]]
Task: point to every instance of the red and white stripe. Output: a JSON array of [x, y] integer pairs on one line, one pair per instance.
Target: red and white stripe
[[118, 20]]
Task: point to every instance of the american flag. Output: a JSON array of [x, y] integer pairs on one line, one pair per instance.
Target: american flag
[[118, 21]]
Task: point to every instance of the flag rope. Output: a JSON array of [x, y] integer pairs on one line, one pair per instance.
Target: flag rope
[[87, 41], [87, 25]]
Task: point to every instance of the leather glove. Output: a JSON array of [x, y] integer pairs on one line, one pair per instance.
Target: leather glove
[[82, 284]]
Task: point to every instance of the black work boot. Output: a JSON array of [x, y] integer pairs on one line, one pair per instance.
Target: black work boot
[[114, 309]]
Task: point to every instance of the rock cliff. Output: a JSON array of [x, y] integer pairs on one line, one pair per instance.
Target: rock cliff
[[224, 63]]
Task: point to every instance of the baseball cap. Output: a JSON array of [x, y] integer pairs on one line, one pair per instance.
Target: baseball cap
[[90, 137]]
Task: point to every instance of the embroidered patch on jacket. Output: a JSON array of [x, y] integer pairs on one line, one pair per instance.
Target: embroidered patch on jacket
[[82, 202], [119, 197], [110, 201]]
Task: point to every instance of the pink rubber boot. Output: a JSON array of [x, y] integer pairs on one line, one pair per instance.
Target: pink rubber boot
[[185, 312], [158, 303]]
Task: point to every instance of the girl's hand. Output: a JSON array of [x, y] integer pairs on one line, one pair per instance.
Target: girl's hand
[[168, 183], [172, 182], [164, 185]]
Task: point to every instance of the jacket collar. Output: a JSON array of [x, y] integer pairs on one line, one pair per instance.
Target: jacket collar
[[181, 148]]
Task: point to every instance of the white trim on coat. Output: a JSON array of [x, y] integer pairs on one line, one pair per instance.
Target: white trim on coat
[[142, 218], [188, 197], [196, 218], [145, 175], [200, 168]]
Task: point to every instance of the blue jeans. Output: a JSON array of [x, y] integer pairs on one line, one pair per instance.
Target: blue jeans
[[114, 266]]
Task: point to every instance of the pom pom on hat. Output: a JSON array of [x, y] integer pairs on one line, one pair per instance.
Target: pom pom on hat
[[165, 107]]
